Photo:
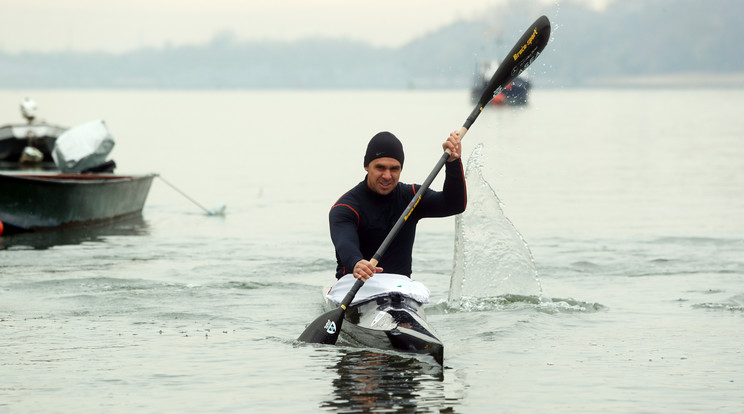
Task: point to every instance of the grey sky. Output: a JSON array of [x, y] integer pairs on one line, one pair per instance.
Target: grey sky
[[124, 25]]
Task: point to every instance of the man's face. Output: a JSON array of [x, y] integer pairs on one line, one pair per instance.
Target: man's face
[[383, 175]]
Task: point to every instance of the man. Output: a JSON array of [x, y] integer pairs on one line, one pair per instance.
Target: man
[[362, 218]]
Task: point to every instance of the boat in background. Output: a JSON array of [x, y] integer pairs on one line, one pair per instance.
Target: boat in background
[[43, 200], [29, 143], [387, 313], [516, 93], [82, 190]]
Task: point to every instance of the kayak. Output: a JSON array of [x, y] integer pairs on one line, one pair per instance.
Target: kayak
[[387, 313]]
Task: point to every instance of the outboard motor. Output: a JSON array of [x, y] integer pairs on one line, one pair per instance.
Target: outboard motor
[[84, 147]]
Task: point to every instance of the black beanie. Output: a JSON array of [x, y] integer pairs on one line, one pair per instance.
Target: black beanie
[[384, 144]]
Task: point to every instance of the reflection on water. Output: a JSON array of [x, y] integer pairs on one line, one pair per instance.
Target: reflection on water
[[128, 226], [371, 382]]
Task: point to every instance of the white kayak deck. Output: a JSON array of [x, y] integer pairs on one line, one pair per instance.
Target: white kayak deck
[[380, 284]]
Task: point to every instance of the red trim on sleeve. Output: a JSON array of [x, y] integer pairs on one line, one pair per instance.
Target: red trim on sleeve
[[350, 208]]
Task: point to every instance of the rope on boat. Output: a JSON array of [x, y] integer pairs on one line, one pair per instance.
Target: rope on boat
[[218, 210]]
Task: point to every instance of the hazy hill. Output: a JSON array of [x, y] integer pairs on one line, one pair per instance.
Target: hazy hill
[[632, 42]]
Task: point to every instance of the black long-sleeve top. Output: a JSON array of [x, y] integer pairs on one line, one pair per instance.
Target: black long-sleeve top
[[361, 219]]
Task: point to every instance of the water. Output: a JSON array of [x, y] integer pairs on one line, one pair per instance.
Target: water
[[630, 202]]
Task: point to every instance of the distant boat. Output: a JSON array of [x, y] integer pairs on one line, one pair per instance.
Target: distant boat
[[516, 93], [82, 190], [30, 142], [45, 200]]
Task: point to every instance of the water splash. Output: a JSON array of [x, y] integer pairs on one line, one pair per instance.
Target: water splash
[[491, 257]]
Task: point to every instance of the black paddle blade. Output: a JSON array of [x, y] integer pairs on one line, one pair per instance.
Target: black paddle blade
[[325, 329], [527, 49]]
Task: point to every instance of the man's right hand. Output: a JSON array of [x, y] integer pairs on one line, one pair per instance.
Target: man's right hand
[[364, 269]]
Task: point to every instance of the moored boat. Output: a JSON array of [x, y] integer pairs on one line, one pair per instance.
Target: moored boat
[[387, 313], [42, 200], [82, 189]]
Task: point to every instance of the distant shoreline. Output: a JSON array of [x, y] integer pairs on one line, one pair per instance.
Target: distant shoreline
[[677, 80], [682, 80]]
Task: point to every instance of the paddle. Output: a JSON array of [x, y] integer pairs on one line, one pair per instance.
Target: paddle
[[327, 327]]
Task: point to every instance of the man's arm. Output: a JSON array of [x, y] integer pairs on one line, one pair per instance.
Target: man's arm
[[453, 197], [343, 221]]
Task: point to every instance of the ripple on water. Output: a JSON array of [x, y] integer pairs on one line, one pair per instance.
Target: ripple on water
[[514, 303], [733, 304]]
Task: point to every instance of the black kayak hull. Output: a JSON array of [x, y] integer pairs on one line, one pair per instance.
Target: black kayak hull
[[393, 322]]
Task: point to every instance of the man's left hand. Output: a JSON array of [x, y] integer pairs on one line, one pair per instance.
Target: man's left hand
[[453, 144]]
